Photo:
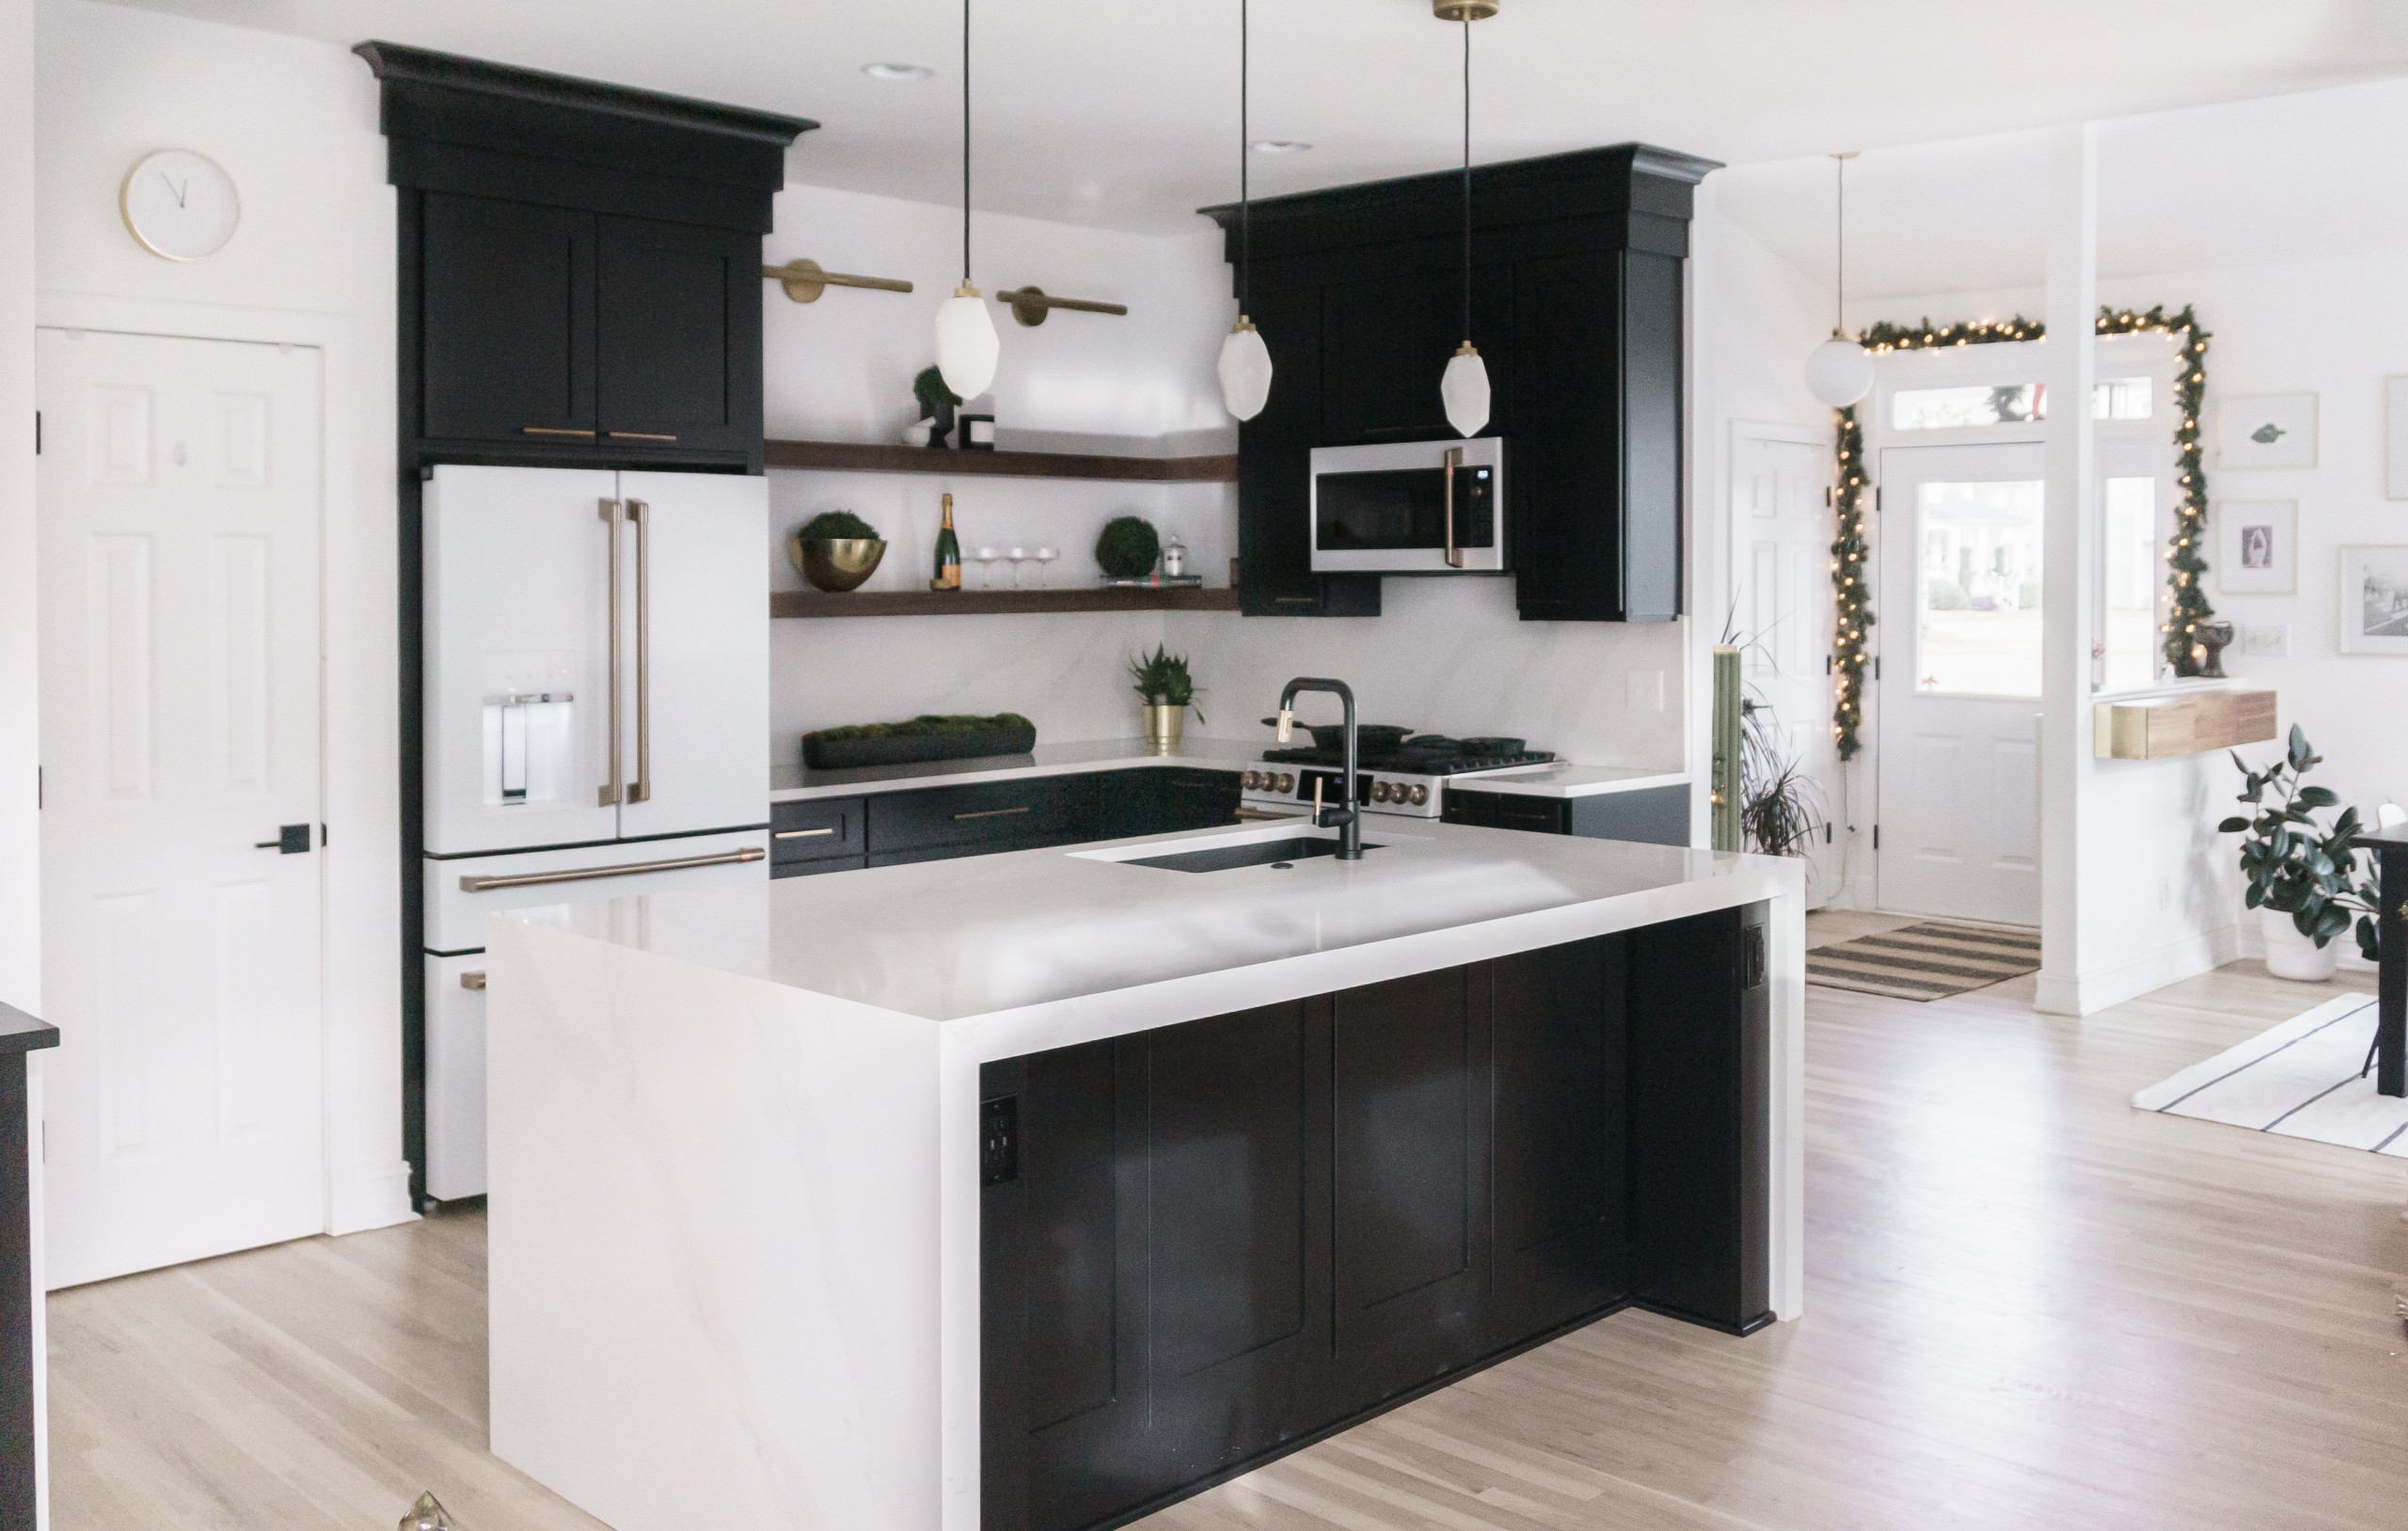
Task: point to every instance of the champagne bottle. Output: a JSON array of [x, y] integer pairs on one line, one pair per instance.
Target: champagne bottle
[[949, 576]]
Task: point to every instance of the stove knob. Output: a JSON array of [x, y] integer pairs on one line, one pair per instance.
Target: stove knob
[[1285, 784], [1379, 791], [1420, 795], [1246, 781]]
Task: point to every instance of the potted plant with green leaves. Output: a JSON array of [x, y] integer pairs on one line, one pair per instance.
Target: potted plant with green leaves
[[937, 405], [1168, 690], [836, 550], [2303, 876]]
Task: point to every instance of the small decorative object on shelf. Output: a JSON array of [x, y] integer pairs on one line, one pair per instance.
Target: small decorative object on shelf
[[1174, 558], [836, 551], [977, 432], [1159, 581], [937, 404], [426, 1515], [1127, 547], [2213, 637], [2302, 877], [1168, 690], [931, 736], [948, 574]]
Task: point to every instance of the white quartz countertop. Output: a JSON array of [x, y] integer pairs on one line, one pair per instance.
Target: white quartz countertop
[[793, 783], [981, 936]]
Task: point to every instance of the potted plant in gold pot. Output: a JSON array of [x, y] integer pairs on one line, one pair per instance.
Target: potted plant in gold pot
[[1167, 690], [836, 551]]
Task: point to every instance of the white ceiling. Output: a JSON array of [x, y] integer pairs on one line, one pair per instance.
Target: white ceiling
[[1123, 112]]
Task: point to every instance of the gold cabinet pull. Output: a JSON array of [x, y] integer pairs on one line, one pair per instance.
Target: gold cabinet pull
[[804, 280], [554, 431], [993, 812], [801, 834], [1030, 305], [636, 435]]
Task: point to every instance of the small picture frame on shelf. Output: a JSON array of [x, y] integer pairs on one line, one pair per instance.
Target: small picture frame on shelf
[[2257, 547], [2374, 600], [976, 433], [2266, 429]]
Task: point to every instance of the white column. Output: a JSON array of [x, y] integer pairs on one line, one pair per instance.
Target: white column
[[1706, 510], [2070, 548], [19, 706]]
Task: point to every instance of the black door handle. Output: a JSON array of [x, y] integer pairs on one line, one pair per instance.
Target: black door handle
[[290, 840]]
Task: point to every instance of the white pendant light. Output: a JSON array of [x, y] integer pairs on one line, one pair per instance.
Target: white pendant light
[[1245, 361], [1464, 388], [967, 345], [1838, 372]]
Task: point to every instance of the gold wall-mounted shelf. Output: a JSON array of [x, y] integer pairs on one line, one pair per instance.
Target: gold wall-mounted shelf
[[2161, 728]]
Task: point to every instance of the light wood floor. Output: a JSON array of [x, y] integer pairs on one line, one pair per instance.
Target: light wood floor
[[2029, 1305]]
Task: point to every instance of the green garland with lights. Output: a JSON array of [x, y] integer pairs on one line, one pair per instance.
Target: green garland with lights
[[2185, 551]]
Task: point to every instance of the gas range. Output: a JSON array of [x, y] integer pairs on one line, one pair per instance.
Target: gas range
[[1407, 780]]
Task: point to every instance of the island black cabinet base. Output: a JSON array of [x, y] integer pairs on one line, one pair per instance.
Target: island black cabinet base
[[1213, 1244]]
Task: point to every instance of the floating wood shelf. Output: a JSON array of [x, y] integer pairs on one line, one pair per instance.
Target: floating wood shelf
[[963, 603], [2159, 728], [857, 457]]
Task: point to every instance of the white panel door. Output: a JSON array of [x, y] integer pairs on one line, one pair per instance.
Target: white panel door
[[1960, 629], [696, 682], [179, 523], [1782, 550], [517, 709]]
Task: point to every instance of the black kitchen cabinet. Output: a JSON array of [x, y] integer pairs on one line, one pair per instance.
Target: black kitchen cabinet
[[1577, 308], [898, 828], [1221, 1239], [1649, 815], [1275, 577], [580, 275]]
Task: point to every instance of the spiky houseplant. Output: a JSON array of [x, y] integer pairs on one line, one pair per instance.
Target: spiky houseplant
[[1781, 807], [2293, 863], [1163, 680]]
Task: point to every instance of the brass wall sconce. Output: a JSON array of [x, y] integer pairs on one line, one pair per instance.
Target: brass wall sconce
[[1030, 305], [804, 281]]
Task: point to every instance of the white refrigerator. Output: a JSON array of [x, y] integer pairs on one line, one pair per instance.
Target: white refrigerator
[[596, 723]]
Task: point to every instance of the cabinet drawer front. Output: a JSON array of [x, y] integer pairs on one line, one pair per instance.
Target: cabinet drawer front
[[812, 869], [991, 814], [816, 829], [1538, 815]]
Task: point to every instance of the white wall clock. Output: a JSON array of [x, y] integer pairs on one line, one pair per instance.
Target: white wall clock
[[179, 204]]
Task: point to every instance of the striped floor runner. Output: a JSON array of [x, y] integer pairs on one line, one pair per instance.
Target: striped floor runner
[[2305, 1079], [1928, 961]]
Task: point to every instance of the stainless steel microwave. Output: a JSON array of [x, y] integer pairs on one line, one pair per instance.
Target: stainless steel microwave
[[1419, 507]]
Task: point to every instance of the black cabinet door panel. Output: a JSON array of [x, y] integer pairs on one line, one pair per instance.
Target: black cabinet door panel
[[1073, 1233], [1409, 1130], [1559, 1247], [507, 298], [1275, 576], [991, 815], [814, 828], [677, 357]]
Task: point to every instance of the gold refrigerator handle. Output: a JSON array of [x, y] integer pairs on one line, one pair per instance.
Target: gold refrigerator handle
[[610, 794], [640, 512], [590, 874], [1454, 463]]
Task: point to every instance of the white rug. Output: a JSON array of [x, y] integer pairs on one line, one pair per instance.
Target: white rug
[[2300, 1079]]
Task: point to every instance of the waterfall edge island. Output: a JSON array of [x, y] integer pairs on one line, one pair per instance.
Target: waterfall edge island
[[1037, 1190]]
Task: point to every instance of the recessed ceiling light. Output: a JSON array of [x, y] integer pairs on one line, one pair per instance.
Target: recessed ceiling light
[[897, 71], [1279, 146]]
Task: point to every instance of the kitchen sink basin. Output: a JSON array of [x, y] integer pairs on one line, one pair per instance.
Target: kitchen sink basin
[[1248, 853]]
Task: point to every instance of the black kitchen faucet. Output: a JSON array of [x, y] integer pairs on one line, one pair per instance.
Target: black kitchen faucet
[[1346, 819]]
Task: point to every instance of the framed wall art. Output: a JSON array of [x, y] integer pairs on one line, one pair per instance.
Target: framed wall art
[[2257, 547], [2374, 600], [2266, 429]]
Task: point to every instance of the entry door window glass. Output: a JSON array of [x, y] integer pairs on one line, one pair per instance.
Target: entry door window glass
[[2011, 404], [2130, 585], [1978, 588]]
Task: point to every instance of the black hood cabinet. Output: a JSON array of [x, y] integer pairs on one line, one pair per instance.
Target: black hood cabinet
[[1576, 307]]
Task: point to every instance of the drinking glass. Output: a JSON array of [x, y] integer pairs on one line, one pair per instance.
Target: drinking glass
[[1044, 557], [1019, 556], [987, 557]]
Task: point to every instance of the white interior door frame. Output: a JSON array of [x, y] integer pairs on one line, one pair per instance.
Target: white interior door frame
[[367, 1178]]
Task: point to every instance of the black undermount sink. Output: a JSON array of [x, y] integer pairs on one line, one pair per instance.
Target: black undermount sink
[[1255, 853]]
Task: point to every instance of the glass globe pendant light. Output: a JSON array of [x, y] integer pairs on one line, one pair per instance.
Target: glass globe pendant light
[[1245, 362], [1838, 372], [967, 348], [1464, 388]]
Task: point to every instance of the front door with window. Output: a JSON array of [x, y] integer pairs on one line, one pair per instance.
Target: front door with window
[[1959, 689], [179, 493]]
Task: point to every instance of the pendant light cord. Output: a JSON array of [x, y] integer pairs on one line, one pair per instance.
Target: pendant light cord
[[964, 143], [1245, 150], [1839, 257], [1467, 178]]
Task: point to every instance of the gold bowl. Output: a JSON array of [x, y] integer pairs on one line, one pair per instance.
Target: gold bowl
[[836, 567]]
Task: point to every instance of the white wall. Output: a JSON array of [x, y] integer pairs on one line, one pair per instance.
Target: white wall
[[19, 713], [295, 123]]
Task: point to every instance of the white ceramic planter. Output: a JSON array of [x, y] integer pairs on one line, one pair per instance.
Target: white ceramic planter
[[2290, 955]]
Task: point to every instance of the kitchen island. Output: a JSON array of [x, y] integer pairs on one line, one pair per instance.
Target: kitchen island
[[1041, 1190]]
